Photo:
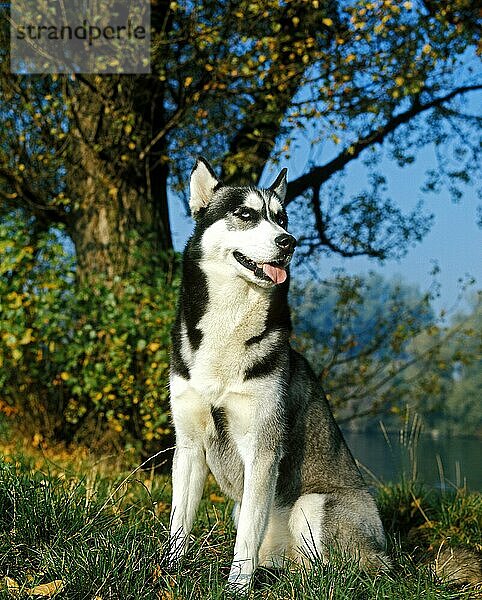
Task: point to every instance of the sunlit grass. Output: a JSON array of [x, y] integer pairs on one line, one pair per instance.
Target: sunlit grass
[[101, 531]]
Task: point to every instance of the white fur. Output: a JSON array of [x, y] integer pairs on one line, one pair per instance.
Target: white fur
[[237, 311], [202, 185], [257, 243], [278, 539], [254, 201], [305, 524]]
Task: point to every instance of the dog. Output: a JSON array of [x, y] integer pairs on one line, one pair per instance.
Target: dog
[[249, 408]]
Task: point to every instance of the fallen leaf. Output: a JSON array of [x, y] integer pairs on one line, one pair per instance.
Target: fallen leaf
[[47, 589], [156, 573], [11, 585]]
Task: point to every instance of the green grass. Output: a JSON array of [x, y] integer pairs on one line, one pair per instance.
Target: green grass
[[102, 534]]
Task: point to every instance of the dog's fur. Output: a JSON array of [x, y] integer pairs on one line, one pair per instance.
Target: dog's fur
[[248, 407]]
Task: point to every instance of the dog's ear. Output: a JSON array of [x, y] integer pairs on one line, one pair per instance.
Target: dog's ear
[[203, 182], [279, 185]]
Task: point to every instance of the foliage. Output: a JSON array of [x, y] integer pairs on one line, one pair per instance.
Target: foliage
[[356, 73], [93, 157], [378, 346], [100, 532], [357, 334], [76, 361], [455, 408]]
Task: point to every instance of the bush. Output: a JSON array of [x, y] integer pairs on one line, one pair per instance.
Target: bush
[[76, 362]]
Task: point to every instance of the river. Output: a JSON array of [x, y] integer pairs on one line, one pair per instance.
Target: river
[[442, 463]]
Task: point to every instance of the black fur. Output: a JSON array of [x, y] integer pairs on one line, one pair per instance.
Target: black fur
[[194, 296]]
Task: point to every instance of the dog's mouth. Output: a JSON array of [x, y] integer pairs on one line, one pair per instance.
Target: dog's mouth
[[270, 271]]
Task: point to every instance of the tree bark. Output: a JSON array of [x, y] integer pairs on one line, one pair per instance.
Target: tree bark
[[115, 234], [119, 221]]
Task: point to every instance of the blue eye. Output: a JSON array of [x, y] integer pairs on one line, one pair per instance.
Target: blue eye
[[243, 213]]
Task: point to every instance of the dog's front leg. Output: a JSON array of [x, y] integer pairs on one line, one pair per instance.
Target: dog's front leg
[[260, 471], [189, 472]]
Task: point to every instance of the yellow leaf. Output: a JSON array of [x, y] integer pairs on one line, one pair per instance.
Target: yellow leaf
[[11, 585], [47, 590], [27, 337], [399, 80], [187, 81], [128, 128], [296, 21], [64, 376], [153, 346], [427, 49], [327, 21], [215, 498]]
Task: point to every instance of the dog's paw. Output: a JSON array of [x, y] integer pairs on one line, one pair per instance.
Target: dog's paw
[[171, 560], [238, 584]]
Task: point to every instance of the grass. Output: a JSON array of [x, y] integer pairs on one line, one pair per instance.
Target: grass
[[99, 532]]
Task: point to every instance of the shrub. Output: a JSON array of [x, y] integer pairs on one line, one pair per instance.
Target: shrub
[[74, 361]]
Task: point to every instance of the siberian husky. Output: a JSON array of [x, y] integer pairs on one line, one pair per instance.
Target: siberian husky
[[248, 407]]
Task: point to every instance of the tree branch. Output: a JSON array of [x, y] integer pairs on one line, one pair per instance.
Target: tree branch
[[320, 225], [27, 199], [319, 175]]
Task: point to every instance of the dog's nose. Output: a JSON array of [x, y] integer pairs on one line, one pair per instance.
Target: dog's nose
[[286, 242]]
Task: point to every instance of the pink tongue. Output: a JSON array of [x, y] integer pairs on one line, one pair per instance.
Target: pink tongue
[[277, 274]]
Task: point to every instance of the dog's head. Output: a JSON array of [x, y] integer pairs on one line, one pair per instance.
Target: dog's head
[[242, 227]]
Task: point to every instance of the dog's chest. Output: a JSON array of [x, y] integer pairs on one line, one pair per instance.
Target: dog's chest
[[227, 327], [225, 351]]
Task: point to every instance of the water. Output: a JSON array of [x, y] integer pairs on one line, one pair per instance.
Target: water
[[440, 462]]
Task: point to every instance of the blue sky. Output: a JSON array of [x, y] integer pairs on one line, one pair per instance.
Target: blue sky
[[454, 241]]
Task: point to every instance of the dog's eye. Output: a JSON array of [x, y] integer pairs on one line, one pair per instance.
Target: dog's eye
[[281, 220], [244, 213]]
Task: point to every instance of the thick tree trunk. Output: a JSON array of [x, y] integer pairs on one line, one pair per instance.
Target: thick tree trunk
[[119, 222], [119, 226]]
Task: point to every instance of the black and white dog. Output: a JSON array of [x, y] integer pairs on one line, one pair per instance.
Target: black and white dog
[[248, 407]]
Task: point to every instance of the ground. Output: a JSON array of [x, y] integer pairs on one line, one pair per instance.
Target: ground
[[75, 526]]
